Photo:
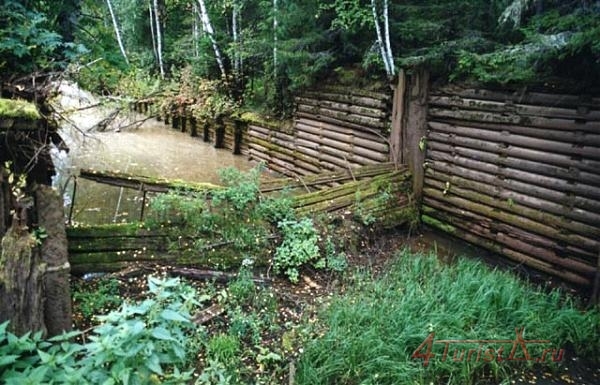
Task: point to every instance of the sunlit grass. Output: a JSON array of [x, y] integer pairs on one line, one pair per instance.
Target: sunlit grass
[[373, 330]]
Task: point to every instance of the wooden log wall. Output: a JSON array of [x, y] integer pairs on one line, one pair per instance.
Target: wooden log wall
[[519, 174], [332, 129]]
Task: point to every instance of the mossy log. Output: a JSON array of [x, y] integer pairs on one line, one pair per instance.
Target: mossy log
[[328, 177], [144, 183], [510, 253], [512, 219], [558, 216]]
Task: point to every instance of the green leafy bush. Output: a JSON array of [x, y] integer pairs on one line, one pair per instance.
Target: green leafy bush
[[298, 247], [153, 341]]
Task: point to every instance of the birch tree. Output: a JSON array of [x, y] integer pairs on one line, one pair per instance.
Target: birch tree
[[158, 39], [384, 48], [208, 29], [152, 33], [117, 31]]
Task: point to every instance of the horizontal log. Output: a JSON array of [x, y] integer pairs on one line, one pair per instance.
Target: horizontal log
[[576, 240], [377, 113], [507, 252], [273, 147], [328, 177], [539, 167], [341, 123], [144, 183], [317, 111], [562, 198], [513, 119], [572, 187], [337, 157], [366, 99], [503, 138], [457, 102], [561, 217], [586, 165], [533, 98], [376, 145], [517, 239], [370, 135], [346, 147]]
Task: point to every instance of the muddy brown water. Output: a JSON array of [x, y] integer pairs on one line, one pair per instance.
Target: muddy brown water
[[153, 149]]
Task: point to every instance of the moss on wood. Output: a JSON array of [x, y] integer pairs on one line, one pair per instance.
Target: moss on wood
[[18, 109]]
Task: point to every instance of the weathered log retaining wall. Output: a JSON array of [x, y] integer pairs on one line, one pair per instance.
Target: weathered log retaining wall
[[519, 174], [332, 129]]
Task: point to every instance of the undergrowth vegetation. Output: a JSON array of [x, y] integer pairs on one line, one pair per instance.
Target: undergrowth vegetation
[[238, 223], [376, 332]]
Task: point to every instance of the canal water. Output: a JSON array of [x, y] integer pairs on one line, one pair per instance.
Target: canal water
[[150, 148]]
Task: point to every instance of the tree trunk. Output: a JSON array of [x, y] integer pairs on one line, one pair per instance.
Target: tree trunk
[[209, 30], [117, 32], [152, 32], [388, 46], [21, 275], [158, 39], [382, 50], [57, 307]]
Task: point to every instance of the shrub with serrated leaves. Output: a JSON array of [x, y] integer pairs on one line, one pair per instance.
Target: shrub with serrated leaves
[[153, 341]]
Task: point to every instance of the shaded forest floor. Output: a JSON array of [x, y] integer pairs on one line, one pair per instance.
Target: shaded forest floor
[[260, 324]]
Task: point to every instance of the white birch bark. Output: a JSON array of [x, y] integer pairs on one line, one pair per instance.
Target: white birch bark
[[195, 31], [275, 39], [210, 32], [117, 32], [379, 38], [158, 40], [236, 42], [388, 46], [151, 16]]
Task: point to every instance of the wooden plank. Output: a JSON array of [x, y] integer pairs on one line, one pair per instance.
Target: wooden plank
[[350, 96], [316, 112], [397, 119]]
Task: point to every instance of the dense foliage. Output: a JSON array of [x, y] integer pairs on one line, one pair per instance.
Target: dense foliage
[[263, 51]]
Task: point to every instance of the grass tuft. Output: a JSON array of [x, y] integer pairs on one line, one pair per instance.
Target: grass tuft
[[373, 330]]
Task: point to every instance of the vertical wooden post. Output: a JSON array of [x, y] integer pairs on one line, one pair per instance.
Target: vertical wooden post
[[206, 132], [397, 120], [193, 126], [415, 132], [219, 132], [237, 136]]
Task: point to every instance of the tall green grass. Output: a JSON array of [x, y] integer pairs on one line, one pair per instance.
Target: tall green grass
[[372, 331]]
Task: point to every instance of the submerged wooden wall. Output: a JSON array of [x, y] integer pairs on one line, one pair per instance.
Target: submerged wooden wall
[[519, 174], [332, 129]]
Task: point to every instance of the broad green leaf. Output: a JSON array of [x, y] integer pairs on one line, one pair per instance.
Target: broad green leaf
[[161, 333], [171, 315]]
